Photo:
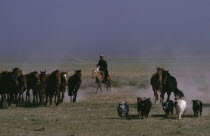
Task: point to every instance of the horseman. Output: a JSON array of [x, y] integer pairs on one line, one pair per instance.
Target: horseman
[[103, 67]]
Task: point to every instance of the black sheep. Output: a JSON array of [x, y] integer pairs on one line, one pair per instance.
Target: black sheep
[[197, 107], [168, 107], [143, 106]]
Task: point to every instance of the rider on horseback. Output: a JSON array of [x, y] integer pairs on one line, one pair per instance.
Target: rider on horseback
[[103, 67]]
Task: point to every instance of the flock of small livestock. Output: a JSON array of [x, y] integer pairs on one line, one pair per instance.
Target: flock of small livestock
[[162, 82], [144, 106], [44, 86]]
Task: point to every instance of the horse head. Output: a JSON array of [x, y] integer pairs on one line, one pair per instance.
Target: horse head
[[96, 72], [17, 71], [64, 77], [43, 75], [22, 82], [78, 73], [36, 78]]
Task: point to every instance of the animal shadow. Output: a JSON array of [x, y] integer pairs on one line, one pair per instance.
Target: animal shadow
[[206, 105], [30, 105], [163, 116], [129, 117]]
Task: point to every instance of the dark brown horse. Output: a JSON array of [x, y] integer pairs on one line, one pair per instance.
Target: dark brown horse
[[156, 82], [22, 87], [42, 86], [169, 85], [53, 87], [33, 81], [9, 85], [74, 83], [3, 88]]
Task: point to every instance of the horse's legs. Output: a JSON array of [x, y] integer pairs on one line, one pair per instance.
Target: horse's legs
[[58, 97], [70, 94], [55, 97], [16, 100], [169, 94], [75, 95], [74, 98], [46, 97], [162, 96], [99, 84], [63, 95], [155, 94], [8, 99], [37, 98], [19, 97], [107, 85], [22, 97], [51, 97], [97, 89], [2, 98], [172, 111], [34, 96], [71, 99], [28, 95]]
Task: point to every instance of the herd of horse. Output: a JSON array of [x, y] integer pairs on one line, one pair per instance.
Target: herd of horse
[[13, 84], [44, 86], [164, 82]]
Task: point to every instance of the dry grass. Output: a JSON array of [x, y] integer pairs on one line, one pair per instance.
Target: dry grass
[[97, 116]]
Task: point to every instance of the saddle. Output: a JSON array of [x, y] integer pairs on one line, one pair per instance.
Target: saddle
[[104, 79]]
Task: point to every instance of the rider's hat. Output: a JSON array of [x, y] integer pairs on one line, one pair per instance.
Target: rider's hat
[[101, 56]]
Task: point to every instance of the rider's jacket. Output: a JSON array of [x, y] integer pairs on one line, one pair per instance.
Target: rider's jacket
[[102, 64]]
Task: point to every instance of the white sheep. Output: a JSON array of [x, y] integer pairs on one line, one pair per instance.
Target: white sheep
[[181, 106]]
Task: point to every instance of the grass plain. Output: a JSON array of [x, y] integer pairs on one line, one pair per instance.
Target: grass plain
[[96, 114]]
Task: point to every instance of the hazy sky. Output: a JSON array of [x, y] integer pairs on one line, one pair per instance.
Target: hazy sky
[[115, 28]]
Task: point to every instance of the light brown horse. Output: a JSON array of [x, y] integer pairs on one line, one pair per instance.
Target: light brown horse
[[157, 84], [99, 77]]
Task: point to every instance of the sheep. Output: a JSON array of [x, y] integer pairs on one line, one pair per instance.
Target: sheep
[[181, 106], [123, 109], [168, 107]]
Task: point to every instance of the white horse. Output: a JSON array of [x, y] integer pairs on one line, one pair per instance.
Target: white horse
[[99, 77]]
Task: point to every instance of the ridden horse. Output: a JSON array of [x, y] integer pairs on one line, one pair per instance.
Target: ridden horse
[[99, 77], [156, 82], [33, 81], [74, 83], [64, 82], [53, 86]]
